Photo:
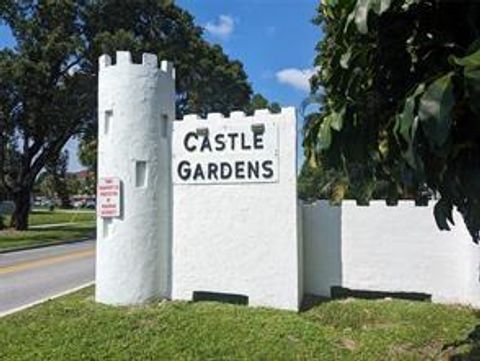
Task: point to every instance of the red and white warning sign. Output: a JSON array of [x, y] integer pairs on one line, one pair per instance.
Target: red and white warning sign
[[109, 197]]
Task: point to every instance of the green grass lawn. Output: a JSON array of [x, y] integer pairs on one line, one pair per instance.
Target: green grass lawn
[[82, 226], [59, 216], [75, 328], [11, 239]]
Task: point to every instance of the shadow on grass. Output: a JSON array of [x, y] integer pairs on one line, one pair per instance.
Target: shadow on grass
[[467, 349], [312, 301], [341, 293], [230, 298]]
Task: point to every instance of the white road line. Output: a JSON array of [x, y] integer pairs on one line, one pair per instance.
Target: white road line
[[64, 293]]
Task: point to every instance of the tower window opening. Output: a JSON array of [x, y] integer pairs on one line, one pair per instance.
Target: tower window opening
[[107, 121], [140, 174], [164, 126]]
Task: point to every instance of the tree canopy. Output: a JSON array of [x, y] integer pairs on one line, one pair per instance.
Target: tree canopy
[[48, 80], [54, 183], [207, 79], [258, 101], [400, 88]]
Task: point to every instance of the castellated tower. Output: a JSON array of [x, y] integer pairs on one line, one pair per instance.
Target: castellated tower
[[136, 108]]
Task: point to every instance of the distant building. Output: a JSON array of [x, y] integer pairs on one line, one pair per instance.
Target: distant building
[[81, 175]]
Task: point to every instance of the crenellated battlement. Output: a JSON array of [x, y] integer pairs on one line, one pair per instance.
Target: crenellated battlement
[[149, 61], [237, 115]]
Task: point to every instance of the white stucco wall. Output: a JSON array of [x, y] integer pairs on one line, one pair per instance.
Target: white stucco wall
[[322, 248], [247, 235], [392, 249], [240, 238], [136, 110]]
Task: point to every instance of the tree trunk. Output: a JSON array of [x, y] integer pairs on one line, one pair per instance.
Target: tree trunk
[[19, 219]]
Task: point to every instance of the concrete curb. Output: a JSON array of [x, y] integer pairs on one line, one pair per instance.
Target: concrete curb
[[38, 302], [60, 243]]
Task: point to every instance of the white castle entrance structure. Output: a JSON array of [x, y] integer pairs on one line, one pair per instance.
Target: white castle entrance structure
[[230, 227], [207, 208]]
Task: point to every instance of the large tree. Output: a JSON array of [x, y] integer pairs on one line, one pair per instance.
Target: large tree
[[48, 80], [401, 85], [45, 92]]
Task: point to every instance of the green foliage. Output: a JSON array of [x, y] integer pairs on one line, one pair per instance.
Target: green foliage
[[207, 79], [87, 152], [75, 327], [315, 182], [401, 83], [258, 101], [74, 186], [48, 80], [45, 92], [45, 217], [82, 225], [11, 239], [54, 183], [309, 183]]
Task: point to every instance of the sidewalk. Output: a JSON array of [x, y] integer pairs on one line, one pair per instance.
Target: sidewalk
[[53, 225]]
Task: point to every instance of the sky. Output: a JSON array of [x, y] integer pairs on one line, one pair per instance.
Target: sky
[[274, 39]]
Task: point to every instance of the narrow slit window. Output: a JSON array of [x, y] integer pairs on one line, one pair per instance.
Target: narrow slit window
[[107, 121], [141, 174], [107, 227], [164, 126]]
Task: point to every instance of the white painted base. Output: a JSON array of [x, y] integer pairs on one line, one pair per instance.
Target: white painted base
[[388, 249], [241, 238]]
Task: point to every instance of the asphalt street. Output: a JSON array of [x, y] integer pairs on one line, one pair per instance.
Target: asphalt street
[[32, 275]]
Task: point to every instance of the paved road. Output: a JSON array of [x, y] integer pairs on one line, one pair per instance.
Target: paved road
[[28, 276]]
